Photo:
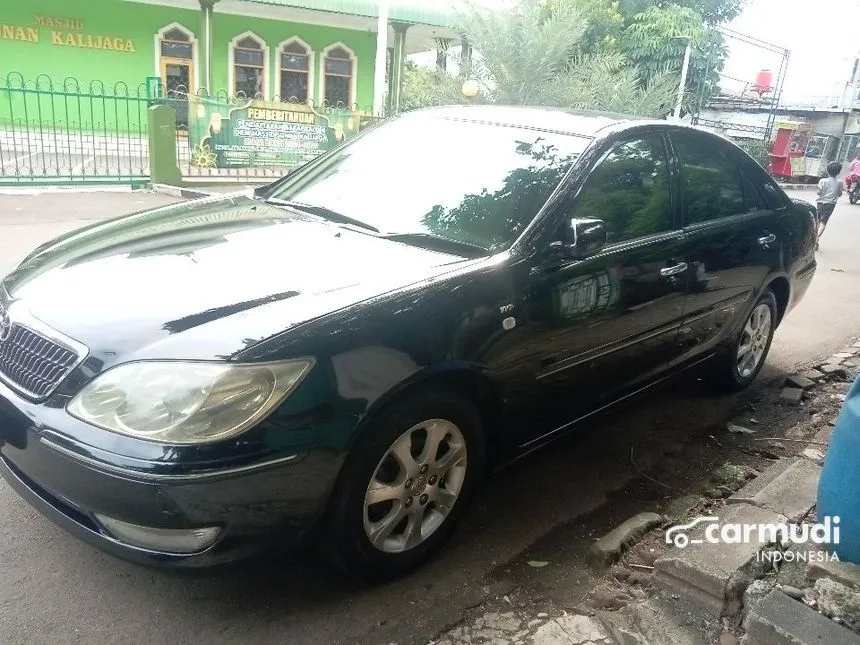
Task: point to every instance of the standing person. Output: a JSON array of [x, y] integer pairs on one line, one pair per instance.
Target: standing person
[[829, 192]]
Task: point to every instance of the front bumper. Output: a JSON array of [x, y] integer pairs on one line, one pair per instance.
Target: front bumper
[[256, 506]]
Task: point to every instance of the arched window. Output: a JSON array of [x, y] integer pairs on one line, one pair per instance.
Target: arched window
[[338, 76], [296, 65], [175, 47], [248, 66]]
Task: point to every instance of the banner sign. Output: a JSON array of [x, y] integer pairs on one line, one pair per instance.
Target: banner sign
[[265, 134]]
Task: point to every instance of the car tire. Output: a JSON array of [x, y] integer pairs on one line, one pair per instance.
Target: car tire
[[429, 496], [737, 367]]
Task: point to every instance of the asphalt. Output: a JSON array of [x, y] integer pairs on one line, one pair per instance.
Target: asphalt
[[54, 589]]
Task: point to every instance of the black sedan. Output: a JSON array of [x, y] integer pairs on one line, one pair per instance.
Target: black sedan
[[340, 356]]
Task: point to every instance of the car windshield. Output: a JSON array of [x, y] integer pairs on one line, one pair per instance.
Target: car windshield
[[470, 182]]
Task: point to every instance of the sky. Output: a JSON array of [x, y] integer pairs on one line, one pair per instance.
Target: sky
[[822, 36]]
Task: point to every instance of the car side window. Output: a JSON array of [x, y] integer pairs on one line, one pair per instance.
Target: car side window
[[711, 185], [753, 199], [629, 190]]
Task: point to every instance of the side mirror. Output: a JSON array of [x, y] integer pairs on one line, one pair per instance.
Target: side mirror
[[583, 237]]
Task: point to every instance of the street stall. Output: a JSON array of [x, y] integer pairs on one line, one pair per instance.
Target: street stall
[[799, 153]]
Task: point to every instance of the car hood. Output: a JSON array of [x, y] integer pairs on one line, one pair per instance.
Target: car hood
[[208, 278]]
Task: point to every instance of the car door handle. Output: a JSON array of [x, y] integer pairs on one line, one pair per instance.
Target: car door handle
[[675, 270], [767, 239]]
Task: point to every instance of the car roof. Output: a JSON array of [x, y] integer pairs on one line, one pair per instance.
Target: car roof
[[582, 123]]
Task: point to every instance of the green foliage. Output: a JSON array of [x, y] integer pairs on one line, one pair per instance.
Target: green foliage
[[605, 22], [534, 55], [524, 49], [656, 39], [607, 82], [618, 55], [426, 87], [658, 36], [713, 12]]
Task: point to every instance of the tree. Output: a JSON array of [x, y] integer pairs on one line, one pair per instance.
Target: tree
[[713, 12], [657, 38], [535, 54], [425, 87]]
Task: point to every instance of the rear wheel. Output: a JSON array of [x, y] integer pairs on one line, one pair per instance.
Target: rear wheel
[[406, 485], [739, 366]]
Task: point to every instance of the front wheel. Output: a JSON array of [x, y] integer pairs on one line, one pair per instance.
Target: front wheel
[[739, 366], [406, 485]]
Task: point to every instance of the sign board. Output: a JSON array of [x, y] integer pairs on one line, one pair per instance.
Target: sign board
[[265, 134]]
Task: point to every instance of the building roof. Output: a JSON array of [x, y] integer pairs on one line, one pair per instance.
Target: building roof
[[440, 13]]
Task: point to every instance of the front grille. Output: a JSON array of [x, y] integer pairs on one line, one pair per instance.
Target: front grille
[[32, 363]]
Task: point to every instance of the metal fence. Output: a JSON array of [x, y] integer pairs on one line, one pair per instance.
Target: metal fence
[[71, 133], [65, 133]]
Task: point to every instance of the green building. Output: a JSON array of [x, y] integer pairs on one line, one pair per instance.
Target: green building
[[318, 51]]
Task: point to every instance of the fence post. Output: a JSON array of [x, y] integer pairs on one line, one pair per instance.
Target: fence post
[[162, 145]]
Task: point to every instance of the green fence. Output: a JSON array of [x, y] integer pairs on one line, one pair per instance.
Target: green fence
[[63, 133]]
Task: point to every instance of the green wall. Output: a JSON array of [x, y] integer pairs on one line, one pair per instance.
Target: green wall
[[114, 18], [139, 23], [363, 44]]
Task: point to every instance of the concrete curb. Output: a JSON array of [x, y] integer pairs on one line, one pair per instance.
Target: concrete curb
[[780, 620], [789, 487]]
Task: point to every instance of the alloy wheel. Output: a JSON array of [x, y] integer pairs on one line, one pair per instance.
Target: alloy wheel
[[415, 486], [754, 340]]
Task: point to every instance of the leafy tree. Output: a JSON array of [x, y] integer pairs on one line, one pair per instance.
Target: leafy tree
[[656, 40], [426, 87], [535, 54], [713, 12]]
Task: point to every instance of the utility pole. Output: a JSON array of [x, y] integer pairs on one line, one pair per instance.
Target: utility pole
[[684, 69]]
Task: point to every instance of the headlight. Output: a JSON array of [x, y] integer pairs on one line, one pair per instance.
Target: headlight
[[185, 402]]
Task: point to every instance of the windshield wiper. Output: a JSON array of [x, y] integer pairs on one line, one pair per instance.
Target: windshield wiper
[[321, 211], [437, 242]]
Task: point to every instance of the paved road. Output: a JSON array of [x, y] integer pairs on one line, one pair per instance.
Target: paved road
[[56, 590]]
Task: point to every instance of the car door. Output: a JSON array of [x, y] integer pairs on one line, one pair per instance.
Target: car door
[[601, 325], [732, 238]]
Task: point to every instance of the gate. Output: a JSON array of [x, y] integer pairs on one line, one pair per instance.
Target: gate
[[63, 133]]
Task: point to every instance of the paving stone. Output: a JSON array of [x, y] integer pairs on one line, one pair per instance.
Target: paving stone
[[766, 477], [651, 622], [844, 572], [799, 380], [780, 620], [832, 369], [700, 573], [791, 394], [815, 454], [608, 548], [838, 600], [572, 630], [813, 375], [824, 436], [792, 492]]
